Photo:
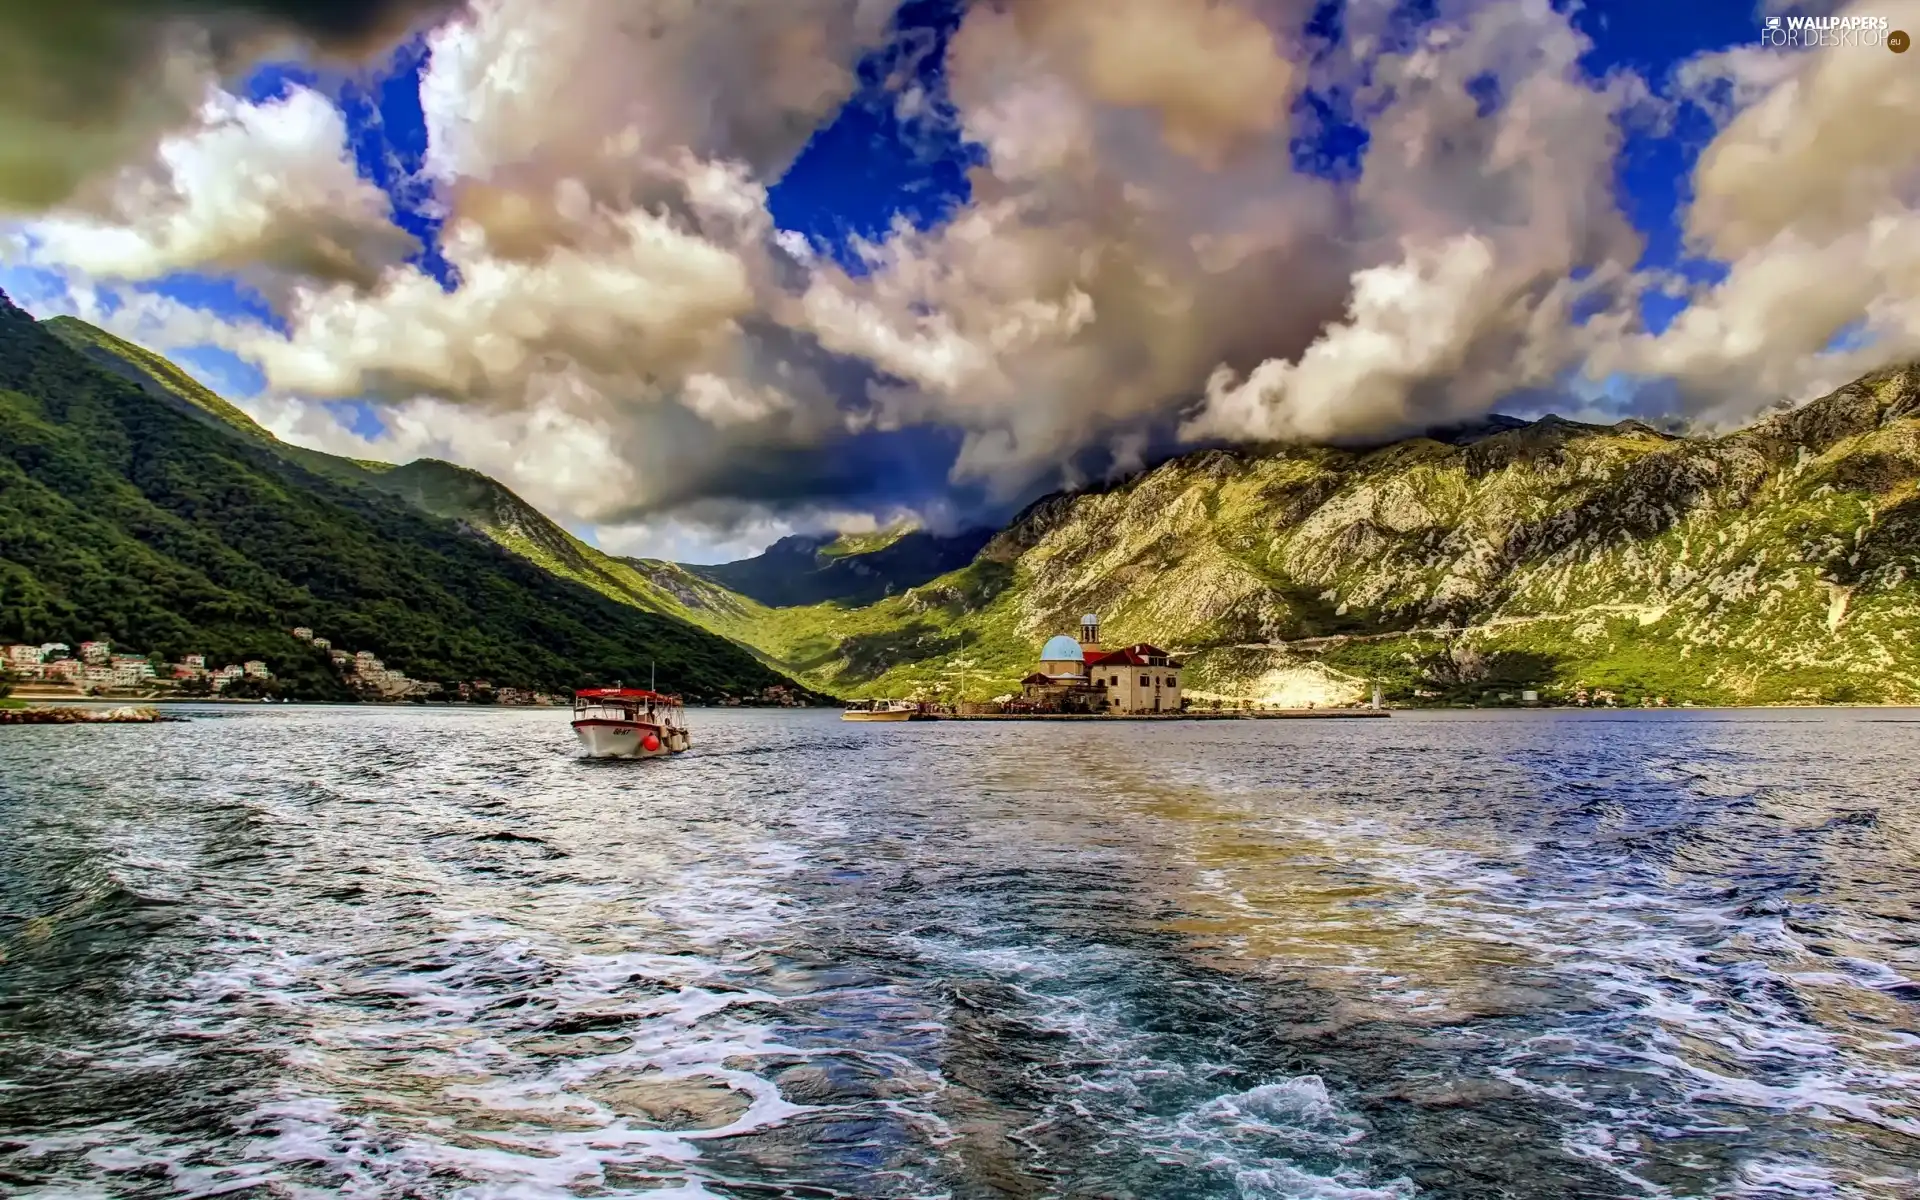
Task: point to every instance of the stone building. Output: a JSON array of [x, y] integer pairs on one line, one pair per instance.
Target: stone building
[[1080, 676], [1141, 678], [1061, 685]]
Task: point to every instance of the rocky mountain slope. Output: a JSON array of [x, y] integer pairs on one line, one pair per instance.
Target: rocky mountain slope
[[134, 503], [1774, 565]]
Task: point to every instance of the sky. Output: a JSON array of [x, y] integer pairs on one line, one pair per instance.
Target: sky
[[692, 277]]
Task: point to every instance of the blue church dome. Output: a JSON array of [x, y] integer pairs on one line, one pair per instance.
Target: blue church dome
[[1061, 649]]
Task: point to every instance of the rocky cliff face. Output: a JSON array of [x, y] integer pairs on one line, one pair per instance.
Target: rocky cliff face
[[1776, 564]]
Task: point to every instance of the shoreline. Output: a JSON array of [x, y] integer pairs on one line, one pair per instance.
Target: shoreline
[[1285, 714]]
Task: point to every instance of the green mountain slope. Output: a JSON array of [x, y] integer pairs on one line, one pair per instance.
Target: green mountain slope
[[182, 531], [165, 381], [483, 504]]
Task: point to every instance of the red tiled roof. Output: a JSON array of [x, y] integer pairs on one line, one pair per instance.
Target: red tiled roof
[[1135, 655]]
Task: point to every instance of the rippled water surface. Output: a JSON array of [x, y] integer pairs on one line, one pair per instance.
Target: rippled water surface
[[401, 953]]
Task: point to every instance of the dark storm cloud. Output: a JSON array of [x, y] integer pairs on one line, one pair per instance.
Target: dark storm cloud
[[85, 84]]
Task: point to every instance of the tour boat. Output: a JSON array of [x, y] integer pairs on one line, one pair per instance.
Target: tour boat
[[621, 722], [882, 710]]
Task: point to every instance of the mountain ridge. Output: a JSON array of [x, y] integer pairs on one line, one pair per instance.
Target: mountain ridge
[[1497, 556], [853, 569]]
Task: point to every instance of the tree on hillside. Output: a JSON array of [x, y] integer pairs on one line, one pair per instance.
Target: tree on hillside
[[6, 683]]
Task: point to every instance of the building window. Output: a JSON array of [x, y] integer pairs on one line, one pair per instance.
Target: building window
[[1146, 681], [1173, 681], [1116, 683]]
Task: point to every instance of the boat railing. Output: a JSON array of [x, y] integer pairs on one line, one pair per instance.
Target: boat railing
[[601, 708]]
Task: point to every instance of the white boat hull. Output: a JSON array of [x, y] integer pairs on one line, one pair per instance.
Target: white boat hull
[[619, 739]]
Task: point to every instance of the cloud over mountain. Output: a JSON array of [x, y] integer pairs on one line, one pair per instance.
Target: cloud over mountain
[[1151, 250]]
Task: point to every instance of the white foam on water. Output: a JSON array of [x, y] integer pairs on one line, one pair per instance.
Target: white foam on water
[[411, 1060], [1261, 1140], [1720, 1010]]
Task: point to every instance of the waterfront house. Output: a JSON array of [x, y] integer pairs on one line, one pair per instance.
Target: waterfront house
[[226, 675], [130, 671], [321, 643], [256, 669], [1138, 678], [96, 654]]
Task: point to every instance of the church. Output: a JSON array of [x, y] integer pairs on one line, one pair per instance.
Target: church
[[1080, 677]]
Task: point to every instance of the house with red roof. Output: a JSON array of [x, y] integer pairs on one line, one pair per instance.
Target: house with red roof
[[1081, 676]]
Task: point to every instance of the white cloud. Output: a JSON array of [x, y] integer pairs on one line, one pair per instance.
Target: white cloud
[[250, 186], [1492, 215], [1811, 195], [637, 294], [597, 89]]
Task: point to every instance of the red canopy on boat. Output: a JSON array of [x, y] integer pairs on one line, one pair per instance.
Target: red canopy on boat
[[623, 694]]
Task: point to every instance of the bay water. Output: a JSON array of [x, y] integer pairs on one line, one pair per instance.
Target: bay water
[[305, 952]]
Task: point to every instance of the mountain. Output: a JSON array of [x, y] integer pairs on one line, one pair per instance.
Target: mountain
[[135, 503], [1777, 564], [848, 569]]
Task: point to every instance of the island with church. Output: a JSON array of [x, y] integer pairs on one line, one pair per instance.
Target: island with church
[[1079, 679]]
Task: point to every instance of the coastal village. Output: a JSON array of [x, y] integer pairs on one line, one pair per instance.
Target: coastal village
[[99, 668]]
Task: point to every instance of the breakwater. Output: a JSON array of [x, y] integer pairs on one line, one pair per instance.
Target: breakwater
[[82, 716]]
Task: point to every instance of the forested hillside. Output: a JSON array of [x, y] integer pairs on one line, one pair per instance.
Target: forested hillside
[[123, 514]]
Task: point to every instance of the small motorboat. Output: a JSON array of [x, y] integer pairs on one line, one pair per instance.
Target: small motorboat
[[883, 710], [621, 722]]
